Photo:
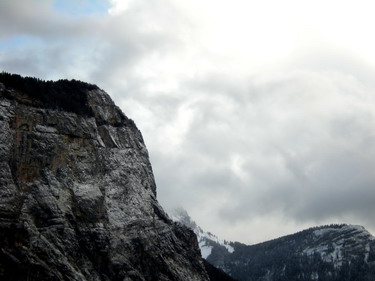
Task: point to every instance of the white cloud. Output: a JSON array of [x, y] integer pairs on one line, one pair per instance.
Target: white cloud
[[254, 113], [119, 6]]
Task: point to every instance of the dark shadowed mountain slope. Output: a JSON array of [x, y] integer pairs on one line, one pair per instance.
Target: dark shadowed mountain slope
[[216, 274], [329, 253], [336, 252], [77, 192]]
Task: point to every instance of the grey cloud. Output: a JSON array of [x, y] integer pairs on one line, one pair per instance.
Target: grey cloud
[[332, 181], [38, 18], [298, 143], [335, 59], [305, 164], [111, 47]]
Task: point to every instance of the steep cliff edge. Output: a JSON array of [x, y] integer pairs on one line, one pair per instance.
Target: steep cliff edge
[[77, 193]]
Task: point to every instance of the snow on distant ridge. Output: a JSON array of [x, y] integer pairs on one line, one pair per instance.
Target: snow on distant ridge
[[334, 250], [206, 240]]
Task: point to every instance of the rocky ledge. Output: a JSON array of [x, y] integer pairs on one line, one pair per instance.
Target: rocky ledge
[[78, 196]]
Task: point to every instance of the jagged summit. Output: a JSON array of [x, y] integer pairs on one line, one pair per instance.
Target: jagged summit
[[78, 196], [207, 241], [181, 215]]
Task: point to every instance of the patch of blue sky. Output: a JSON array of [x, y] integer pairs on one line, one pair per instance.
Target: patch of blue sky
[[19, 41], [77, 8]]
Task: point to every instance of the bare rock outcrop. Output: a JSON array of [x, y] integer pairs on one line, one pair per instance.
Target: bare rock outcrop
[[77, 192]]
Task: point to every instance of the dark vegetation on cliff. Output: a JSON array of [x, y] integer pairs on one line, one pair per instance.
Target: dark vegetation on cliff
[[68, 95]]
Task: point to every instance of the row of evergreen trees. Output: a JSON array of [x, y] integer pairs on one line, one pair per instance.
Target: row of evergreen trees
[[68, 95]]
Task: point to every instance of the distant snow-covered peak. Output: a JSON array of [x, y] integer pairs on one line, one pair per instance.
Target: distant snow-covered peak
[[207, 241]]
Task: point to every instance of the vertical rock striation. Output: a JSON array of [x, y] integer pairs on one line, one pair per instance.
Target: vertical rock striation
[[77, 192]]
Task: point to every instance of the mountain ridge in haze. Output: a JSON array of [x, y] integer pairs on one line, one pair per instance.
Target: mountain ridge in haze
[[337, 252]]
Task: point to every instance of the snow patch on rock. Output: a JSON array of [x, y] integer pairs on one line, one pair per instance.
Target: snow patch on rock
[[206, 240]]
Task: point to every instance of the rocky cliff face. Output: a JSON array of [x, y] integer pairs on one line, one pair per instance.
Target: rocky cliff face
[[77, 193]]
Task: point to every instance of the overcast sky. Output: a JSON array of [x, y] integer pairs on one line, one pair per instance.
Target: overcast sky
[[259, 116]]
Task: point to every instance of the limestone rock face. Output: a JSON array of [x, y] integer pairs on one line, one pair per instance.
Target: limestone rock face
[[77, 192]]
